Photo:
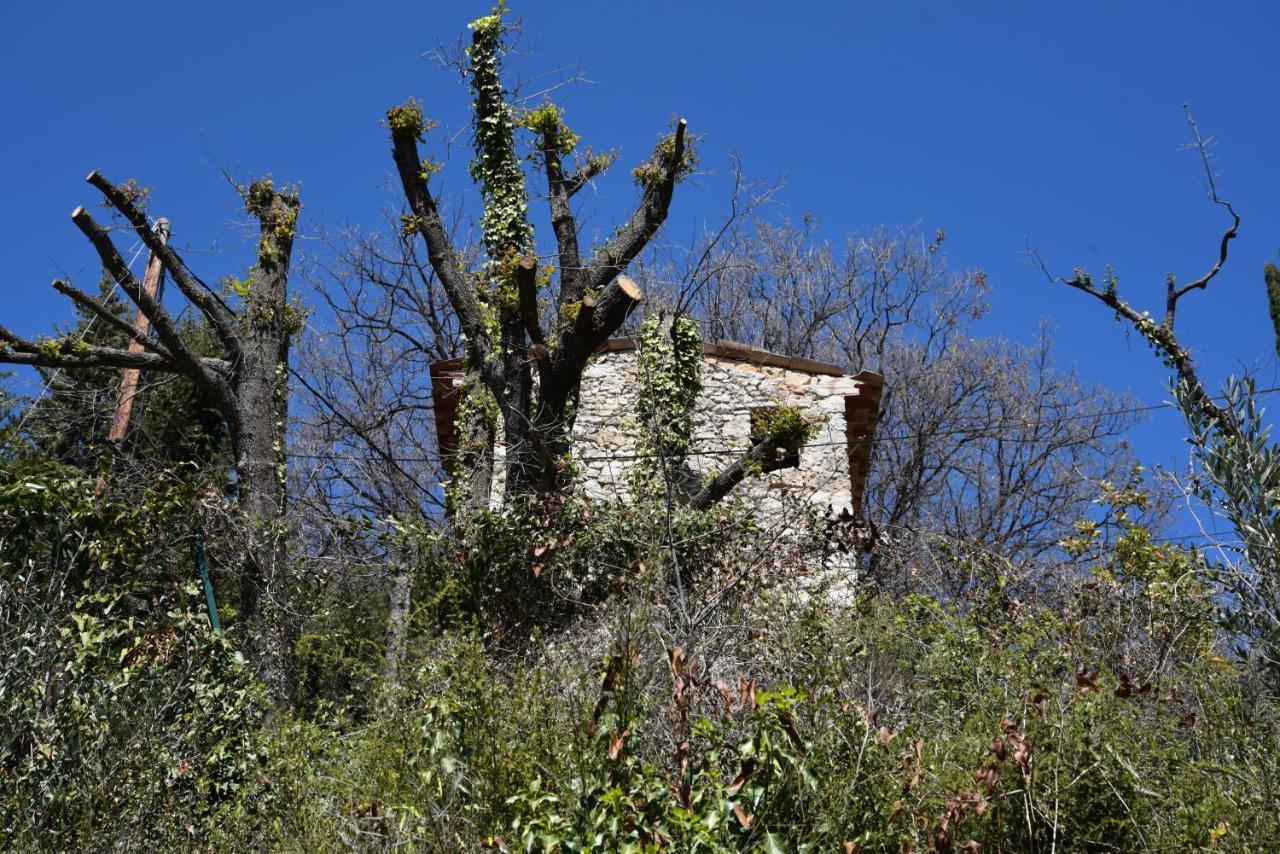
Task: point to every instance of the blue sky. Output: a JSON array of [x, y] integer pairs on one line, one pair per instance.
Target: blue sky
[[1000, 122]]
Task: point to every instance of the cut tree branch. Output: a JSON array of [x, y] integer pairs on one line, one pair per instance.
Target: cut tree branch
[[527, 288], [197, 292], [66, 353], [440, 252], [648, 217], [105, 314], [597, 319], [763, 458], [114, 264]]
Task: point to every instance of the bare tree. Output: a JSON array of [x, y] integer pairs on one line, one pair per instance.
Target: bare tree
[[365, 441], [246, 382]]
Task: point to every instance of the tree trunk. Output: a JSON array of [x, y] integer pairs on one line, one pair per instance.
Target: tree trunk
[[397, 630], [261, 393]]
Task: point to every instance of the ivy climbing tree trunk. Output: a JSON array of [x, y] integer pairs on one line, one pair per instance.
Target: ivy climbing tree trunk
[[247, 382], [261, 390], [516, 375]]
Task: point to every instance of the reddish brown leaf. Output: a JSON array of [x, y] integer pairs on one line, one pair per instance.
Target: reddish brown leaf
[[676, 659], [617, 741], [997, 747], [748, 768], [789, 727], [747, 693], [853, 848], [987, 776], [970, 847], [614, 666], [1086, 679], [726, 694]]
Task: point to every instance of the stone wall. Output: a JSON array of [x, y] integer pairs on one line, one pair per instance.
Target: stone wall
[[606, 428]]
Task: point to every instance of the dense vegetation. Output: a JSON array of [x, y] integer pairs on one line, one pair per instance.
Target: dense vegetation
[[604, 677], [1013, 656]]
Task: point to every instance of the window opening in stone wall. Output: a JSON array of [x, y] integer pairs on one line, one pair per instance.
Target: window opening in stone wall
[[760, 416]]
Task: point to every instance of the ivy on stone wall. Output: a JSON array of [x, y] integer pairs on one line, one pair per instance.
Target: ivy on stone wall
[[670, 364]]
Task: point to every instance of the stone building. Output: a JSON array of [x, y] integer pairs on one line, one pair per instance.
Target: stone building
[[736, 380]]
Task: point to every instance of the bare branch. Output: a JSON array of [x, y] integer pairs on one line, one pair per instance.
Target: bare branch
[[197, 292], [105, 314], [648, 217], [426, 219], [1175, 293], [15, 350], [580, 177], [1162, 337]]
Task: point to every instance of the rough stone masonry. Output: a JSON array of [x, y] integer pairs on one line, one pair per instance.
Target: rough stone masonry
[[736, 379]]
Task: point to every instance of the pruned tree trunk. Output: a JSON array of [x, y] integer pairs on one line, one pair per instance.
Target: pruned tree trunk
[[261, 400]]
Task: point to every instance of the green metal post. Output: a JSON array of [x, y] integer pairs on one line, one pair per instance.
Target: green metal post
[[214, 622]]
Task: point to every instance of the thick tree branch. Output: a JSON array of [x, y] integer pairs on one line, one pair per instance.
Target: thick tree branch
[[527, 288], [586, 315], [648, 217], [105, 314], [114, 264], [197, 292], [426, 220], [597, 318], [765, 457], [562, 222], [66, 353], [620, 296]]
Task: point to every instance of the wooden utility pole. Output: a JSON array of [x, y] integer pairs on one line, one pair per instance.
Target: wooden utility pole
[[129, 379]]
